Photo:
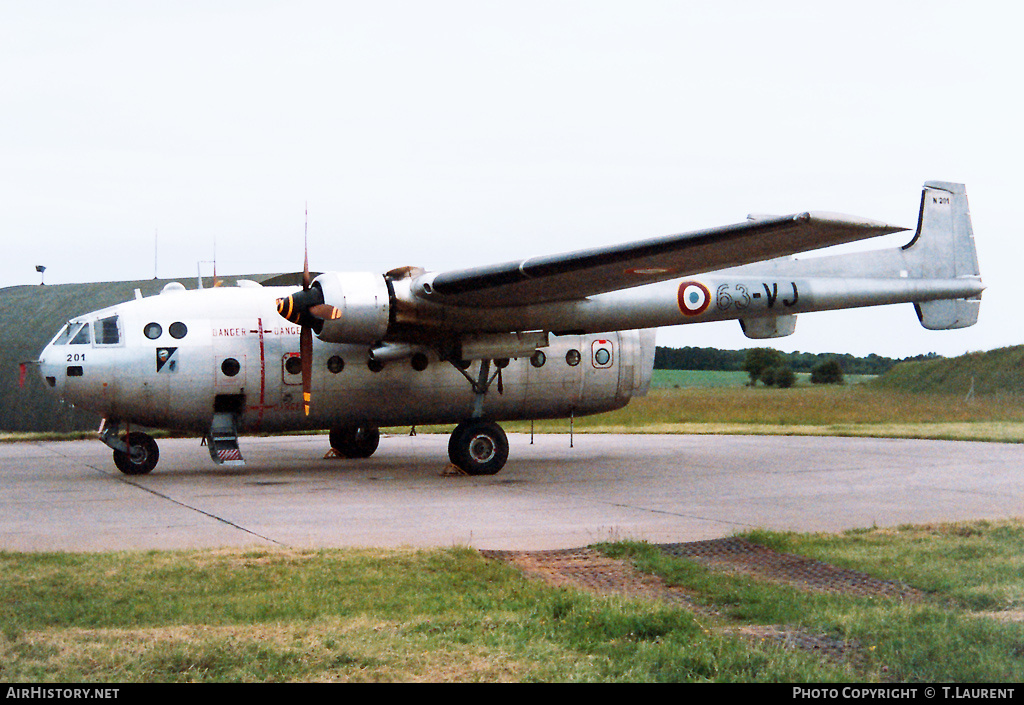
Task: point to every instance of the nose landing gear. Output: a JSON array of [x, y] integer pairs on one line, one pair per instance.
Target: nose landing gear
[[135, 453], [141, 457]]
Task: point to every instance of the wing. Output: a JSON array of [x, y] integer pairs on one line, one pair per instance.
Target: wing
[[575, 275]]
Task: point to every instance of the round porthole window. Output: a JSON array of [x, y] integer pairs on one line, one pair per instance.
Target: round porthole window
[[335, 364], [153, 330], [293, 365], [538, 359], [572, 358], [178, 330], [230, 367], [602, 356]]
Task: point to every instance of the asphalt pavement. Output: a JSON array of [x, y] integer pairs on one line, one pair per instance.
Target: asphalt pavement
[[661, 488]]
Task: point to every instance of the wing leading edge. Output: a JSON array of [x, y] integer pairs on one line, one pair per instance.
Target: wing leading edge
[[575, 275]]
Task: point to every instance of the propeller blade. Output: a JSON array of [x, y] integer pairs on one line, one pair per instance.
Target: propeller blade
[[325, 312], [306, 356], [304, 308], [305, 261]]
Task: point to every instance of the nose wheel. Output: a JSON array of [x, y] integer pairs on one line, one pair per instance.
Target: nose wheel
[[140, 457], [478, 447]]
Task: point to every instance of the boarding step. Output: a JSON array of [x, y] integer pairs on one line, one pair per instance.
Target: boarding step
[[223, 440]]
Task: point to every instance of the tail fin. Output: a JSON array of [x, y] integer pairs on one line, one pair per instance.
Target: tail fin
[[943, 248]]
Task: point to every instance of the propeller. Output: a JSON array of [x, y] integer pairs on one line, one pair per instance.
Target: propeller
[[306, 334], [307, 309]]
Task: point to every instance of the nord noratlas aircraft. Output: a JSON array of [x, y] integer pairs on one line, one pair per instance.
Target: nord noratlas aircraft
[[547, 337]]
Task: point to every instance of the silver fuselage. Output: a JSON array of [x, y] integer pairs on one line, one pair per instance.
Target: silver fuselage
[[167, 361]]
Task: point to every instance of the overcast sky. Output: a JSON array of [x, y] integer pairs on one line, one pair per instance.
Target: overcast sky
[[139, 138]]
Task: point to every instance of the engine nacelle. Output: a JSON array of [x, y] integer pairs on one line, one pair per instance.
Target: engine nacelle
[[363, 304]]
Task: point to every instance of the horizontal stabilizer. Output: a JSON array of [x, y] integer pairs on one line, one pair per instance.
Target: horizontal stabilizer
[[768, 327], [948, 314]]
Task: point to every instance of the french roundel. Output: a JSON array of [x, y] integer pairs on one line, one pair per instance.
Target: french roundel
[[694, 298]]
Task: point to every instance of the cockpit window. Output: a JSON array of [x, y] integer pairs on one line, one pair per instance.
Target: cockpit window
[[81, 334], [107, 331], [64, 336]]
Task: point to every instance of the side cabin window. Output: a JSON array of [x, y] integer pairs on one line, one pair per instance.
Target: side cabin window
[[107, 331]]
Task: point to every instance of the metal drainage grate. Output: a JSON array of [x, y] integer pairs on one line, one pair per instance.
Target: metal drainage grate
[[806, 573]]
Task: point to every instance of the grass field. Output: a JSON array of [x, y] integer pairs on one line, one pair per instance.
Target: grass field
[[450, 615], [720, 402], [683, 379]]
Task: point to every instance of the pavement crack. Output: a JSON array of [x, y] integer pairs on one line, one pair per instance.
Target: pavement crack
[[197, 510]]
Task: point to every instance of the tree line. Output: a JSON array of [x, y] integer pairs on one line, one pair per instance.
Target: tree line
[[690, 358]]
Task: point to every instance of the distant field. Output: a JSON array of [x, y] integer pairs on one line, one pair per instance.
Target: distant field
[[821, 410], [671, 379]]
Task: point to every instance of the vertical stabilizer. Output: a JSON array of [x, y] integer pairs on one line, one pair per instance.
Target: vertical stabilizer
[[944, 241], [943, 248]]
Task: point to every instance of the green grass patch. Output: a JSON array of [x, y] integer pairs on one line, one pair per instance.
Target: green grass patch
[[676, 379], [968, 629], [995, 373], [449, 615], [349, 615], [979, 565], [683, 379]]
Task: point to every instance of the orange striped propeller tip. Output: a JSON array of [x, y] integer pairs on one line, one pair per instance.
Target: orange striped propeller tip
[[286, 307], [325, 312]]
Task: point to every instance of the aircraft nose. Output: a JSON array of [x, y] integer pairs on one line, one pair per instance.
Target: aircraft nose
[[49, 369]]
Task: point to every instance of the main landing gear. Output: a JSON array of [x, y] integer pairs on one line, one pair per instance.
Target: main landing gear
[[356, 441], [478, 447]]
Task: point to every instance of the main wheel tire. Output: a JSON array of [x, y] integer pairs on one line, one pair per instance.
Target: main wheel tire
[[142, 457], [359, 441], [478, 447]]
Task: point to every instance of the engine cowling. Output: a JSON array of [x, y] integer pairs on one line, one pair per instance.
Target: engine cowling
[[362, 303]]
